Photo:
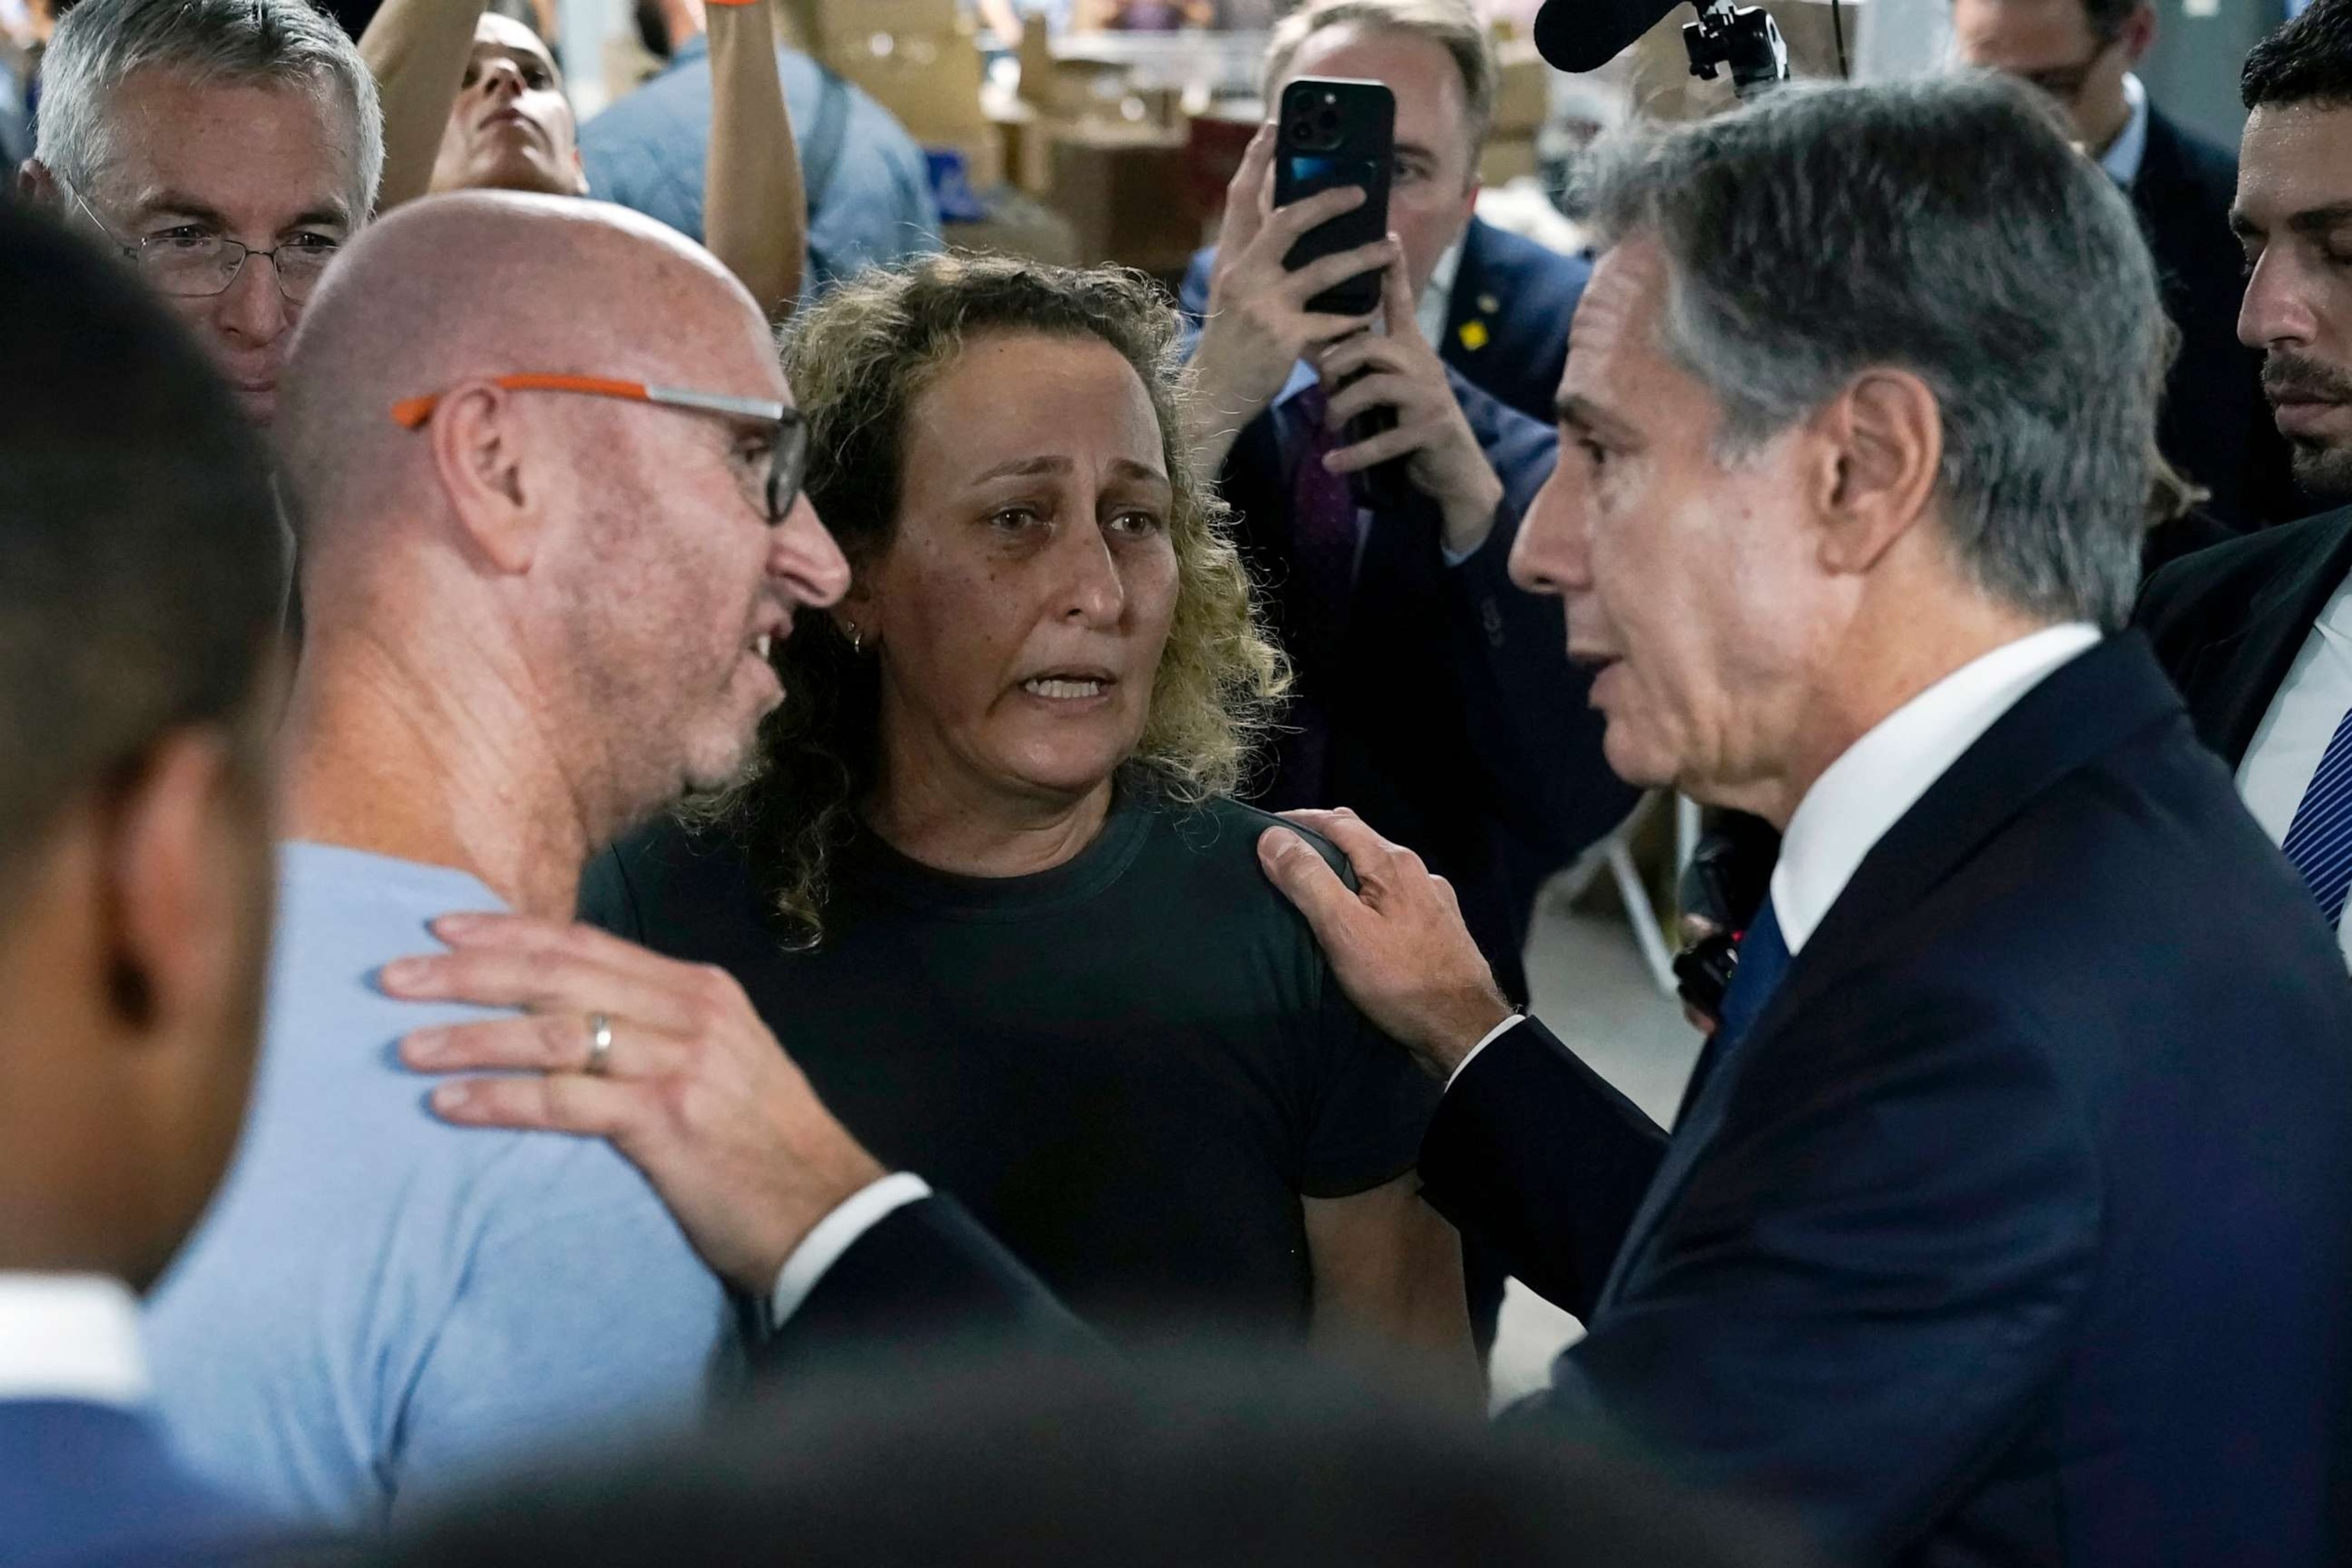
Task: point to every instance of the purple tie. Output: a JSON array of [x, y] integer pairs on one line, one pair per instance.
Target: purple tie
[[1322, 541]]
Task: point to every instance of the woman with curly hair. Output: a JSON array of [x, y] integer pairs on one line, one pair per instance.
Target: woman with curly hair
[[990, 885]]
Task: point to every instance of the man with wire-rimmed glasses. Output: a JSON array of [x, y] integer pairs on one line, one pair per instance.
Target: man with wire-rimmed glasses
[[227, 148]]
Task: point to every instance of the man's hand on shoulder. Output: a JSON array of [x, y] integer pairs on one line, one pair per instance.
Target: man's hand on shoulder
[[667, 1060], [1397, 943]]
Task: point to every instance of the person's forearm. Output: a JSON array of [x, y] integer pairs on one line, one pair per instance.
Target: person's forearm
[[416, 51], [1388, 1275], [1469, 516], [755, 213]]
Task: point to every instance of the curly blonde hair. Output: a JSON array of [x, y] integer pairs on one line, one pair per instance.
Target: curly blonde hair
[[858, 360]]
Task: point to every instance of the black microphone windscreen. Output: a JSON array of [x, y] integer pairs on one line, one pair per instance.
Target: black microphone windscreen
[[1585, 35]]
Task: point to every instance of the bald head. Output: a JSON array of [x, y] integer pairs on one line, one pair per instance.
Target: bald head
[[478, 284], [562, 595]]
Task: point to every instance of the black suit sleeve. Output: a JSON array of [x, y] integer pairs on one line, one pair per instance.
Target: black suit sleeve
[[1535, 1154], [1868, 1278], [927, 1277]]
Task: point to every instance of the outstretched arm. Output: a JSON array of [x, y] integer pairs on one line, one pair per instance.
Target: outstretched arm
[[417, 50], [755, 212]]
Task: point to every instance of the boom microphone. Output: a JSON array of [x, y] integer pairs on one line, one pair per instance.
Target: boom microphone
[[1585, 35]]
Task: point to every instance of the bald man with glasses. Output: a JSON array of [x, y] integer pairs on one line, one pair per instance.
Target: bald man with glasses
[[547, 538]]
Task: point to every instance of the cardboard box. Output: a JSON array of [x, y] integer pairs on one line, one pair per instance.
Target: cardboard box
[[1070, 86], [1214, 146], [1522, 92], [1025, 139], [837, 23], [1507, 159], [1020, 225], [1124, 192], [929, 81]]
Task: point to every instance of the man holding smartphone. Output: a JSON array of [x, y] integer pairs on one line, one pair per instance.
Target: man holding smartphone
[[1433, 697]]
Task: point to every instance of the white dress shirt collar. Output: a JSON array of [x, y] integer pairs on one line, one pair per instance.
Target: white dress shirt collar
[[1437, 300], [71, 1336], [2284, 757], [2122, 159], [1881, 776]]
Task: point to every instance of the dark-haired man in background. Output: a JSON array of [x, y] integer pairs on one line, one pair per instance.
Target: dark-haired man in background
[[2213, 425], [139, 591], [2258, 633]]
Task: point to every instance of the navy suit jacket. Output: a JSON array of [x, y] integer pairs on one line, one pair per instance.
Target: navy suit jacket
[[1507, 320], [87, 1483], [1458, 727], [2227, 622], [2025, 1231], [925, 1280], [2215, 425]]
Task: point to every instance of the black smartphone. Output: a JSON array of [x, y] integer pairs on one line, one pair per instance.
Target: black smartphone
[[1335, 132]]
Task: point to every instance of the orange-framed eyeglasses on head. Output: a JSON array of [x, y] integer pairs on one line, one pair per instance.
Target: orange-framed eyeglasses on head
[[787, 456]]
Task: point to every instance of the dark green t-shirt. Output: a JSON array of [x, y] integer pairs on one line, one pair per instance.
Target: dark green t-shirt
[[1130, 1067]]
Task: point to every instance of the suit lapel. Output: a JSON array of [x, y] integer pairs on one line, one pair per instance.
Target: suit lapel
[[2160, 170], [2232, 680], [1461, 305], [2081, 710]]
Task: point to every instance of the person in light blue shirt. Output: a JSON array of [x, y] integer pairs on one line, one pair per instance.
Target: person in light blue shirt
[[869, 192], [379, 1307], [538, 608]]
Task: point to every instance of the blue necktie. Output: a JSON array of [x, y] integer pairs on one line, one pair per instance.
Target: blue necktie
[[2319, 841], [1763, 963]]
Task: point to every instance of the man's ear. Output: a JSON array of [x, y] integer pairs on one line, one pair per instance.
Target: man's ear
[[182, 836], [2138, 34], [38, 187], [481, 454], [1883, 443]]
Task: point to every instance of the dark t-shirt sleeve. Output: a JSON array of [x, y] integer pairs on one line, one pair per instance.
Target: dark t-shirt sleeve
[[1369, 1104], [1371, 1110]]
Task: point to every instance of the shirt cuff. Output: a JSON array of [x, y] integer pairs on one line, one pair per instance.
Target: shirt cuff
[[835, 1234], [1496, 1033]]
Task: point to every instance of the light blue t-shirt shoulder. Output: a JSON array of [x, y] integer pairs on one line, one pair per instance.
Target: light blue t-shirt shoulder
[[379, 1307]]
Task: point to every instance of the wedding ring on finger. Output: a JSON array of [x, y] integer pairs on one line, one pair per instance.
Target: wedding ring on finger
[[600, 1046]]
